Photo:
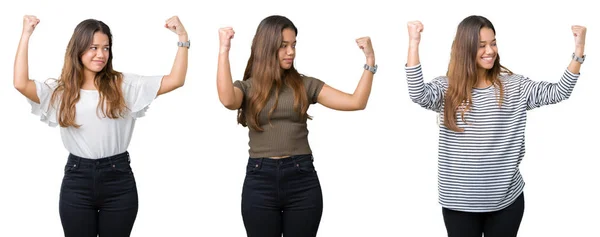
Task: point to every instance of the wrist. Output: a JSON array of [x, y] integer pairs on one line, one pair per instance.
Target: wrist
[[224, 51], [579, 50], [25, 35], [413, 44], [371, 60], [183, 37]]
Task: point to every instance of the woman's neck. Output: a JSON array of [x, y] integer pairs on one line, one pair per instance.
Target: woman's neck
[[88, 80], [482, 79]]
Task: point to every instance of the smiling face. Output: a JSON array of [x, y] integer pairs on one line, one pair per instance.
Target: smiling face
[[287, 51], [488, 50], [95, 57]]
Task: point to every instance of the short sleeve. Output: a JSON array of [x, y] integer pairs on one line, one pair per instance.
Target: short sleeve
[[243, 85], [139, 92], [313, 88], [44, 92]]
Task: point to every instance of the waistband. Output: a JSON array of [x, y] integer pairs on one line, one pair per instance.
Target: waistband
[[288, 161], [118, 158]]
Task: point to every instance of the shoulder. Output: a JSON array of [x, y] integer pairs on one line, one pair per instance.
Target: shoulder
[[138, 81], [47, 87], [243, 83], [309, 81], [507, 77], [129, 78], [441, 80], [51, 83]]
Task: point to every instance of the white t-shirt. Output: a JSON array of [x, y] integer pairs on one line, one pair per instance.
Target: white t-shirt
[[99, 136]]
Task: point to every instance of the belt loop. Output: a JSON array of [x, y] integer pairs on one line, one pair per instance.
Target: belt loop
[[294, 159], [78, 161], [112, 164]]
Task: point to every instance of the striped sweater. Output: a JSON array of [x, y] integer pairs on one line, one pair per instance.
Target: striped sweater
[[478, 169]]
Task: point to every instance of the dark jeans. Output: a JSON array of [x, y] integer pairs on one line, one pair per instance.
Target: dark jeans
[[502, 223], [98, 197], [282, 196]]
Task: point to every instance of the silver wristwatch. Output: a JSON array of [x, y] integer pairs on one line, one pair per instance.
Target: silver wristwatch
[[578, 59], [371, 69], [184, 44]]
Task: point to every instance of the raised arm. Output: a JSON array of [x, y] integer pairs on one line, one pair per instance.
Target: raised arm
[[540, 93], [231, 97], [579, 35], [176, 78], [427, 95], [414, 33], [21, 79], [335, 99]]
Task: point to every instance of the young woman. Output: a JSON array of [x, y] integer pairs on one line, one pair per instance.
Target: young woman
[[96, 108], [482, 106], [281, 193]]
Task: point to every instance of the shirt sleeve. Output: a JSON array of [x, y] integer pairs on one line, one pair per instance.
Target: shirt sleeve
[[243, 85], [313, 88], [428, 95], [139, 92], [540, 93], [44, 91]]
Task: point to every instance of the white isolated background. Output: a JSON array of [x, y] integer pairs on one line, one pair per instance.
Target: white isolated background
[[377, 167]]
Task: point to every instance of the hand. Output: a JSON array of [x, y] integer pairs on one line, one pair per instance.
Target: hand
[[364, 43], [29, 24], [174, 24], [414, 32], [225, 36], [579, 34]]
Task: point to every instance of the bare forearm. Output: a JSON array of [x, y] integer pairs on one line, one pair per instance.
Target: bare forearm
[[21, 67], [224, 80], [413, 55], [363, 90], [575, 66], [179, 69]]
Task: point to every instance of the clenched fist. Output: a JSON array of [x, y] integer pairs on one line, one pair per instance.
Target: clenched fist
[[364, 43], [225, 36], [174, 24], [414, 32], [29, 24], [579, 34]]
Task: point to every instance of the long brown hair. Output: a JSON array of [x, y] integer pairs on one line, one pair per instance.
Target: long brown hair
[[462, 70], [267, 75], [108, 81]]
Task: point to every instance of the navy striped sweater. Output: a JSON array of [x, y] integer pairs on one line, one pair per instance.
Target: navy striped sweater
[[478, 169]]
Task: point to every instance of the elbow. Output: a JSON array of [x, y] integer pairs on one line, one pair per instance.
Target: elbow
[[360, 106], [420, 102], [180, 83], [20, 87], [229, 104], [175, 80], [415, 100]]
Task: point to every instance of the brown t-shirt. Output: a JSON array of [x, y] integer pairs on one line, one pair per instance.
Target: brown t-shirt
[[287, 133]]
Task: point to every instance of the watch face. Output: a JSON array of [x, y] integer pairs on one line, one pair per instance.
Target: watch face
[[371, 69], [183, 44], [578, 59]]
